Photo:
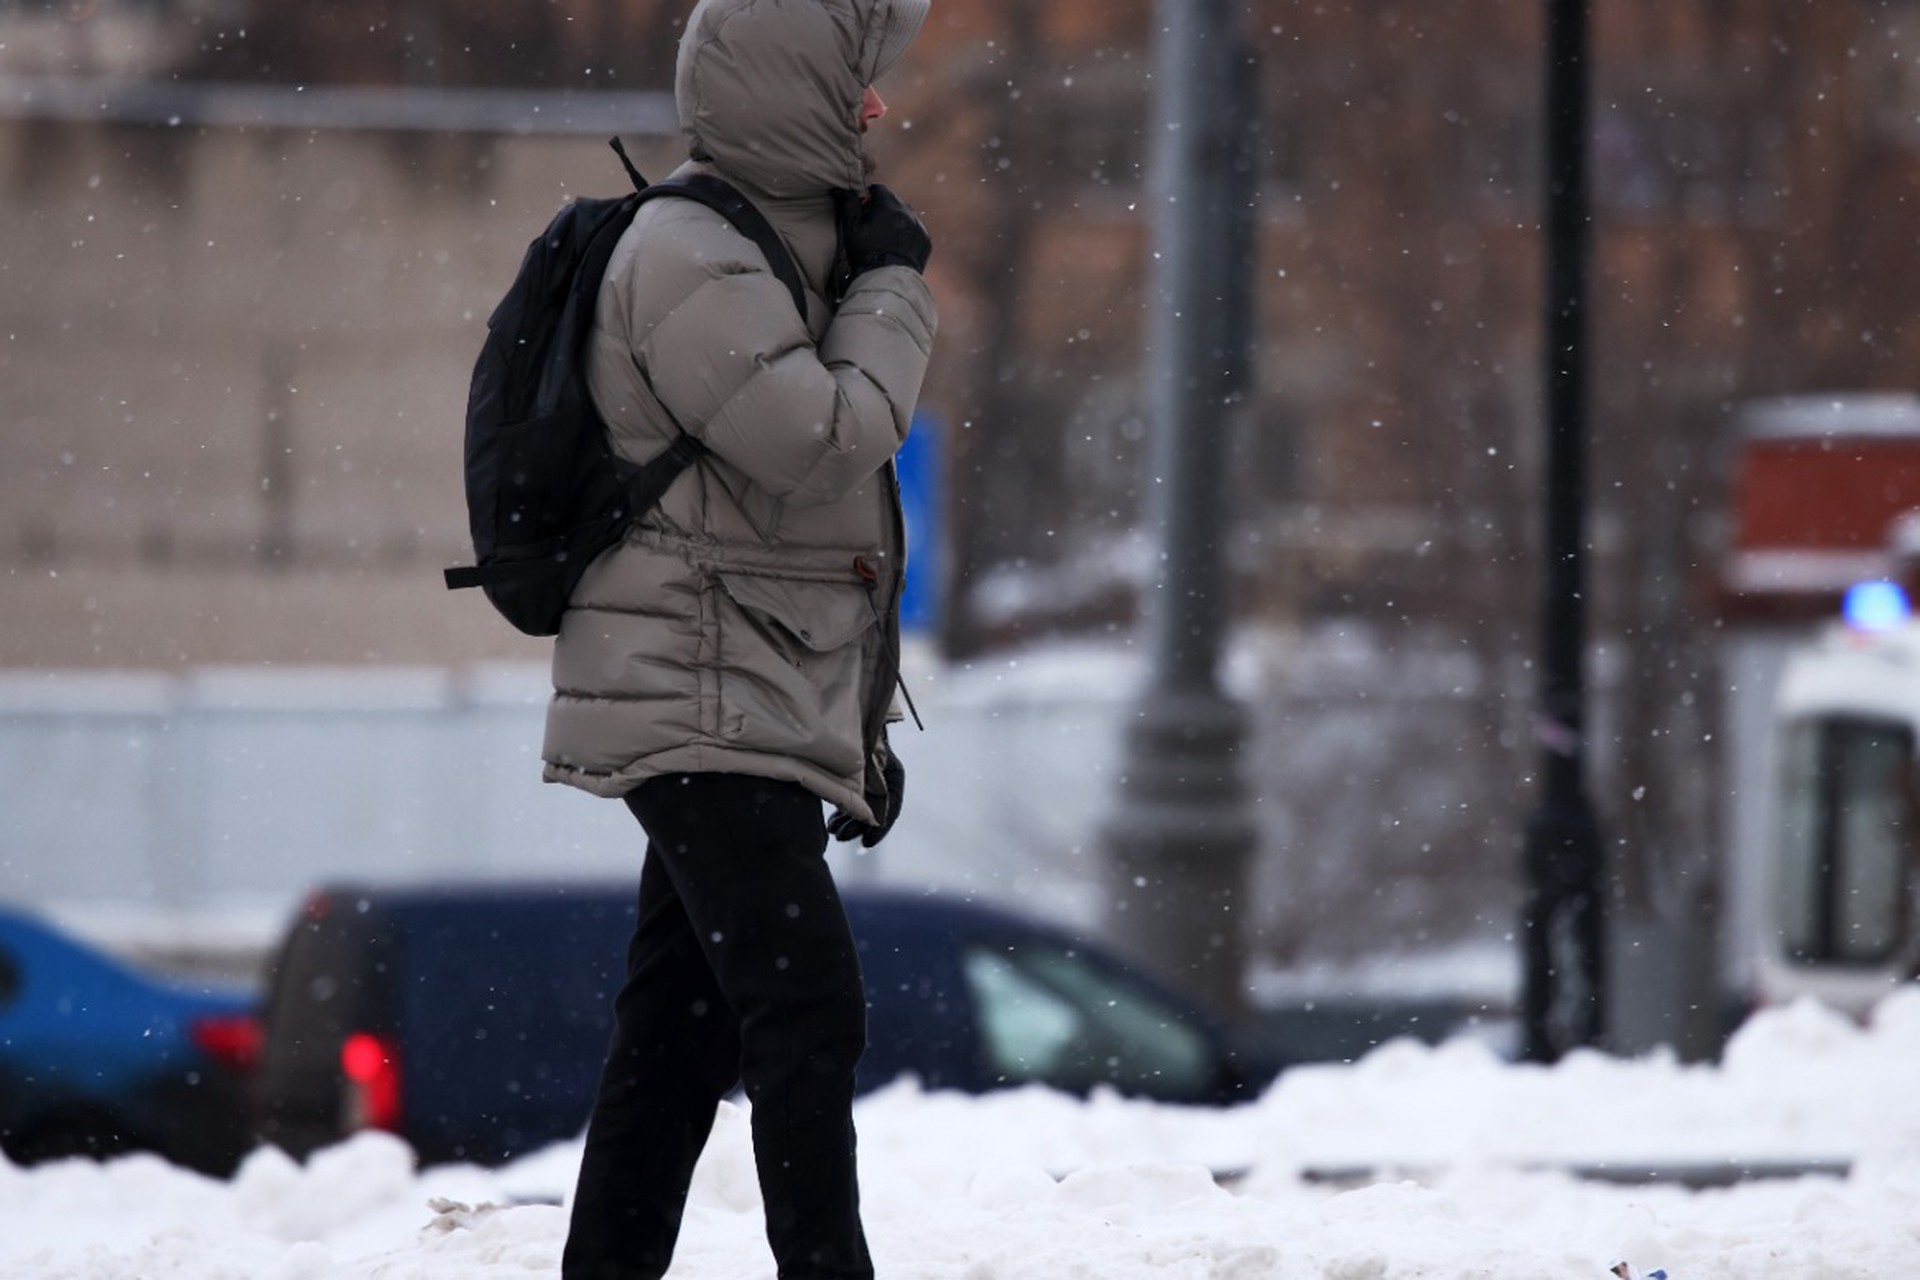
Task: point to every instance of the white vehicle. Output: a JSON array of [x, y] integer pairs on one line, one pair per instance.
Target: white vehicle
[[1822, 798], [1840, 888]]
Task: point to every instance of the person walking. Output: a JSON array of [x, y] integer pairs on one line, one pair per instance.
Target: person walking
[[729, 669]]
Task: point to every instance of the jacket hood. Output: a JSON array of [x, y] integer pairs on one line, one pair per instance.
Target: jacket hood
[[769, 90]]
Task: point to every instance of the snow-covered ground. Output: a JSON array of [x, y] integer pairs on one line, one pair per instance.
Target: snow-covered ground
[[1469, 1159]]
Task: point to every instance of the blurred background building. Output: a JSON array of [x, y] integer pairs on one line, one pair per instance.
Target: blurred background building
[[246, 251]]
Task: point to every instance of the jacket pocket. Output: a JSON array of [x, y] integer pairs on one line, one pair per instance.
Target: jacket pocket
[[793, 653]]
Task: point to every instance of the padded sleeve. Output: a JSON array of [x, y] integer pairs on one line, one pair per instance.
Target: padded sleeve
[[735, 365]]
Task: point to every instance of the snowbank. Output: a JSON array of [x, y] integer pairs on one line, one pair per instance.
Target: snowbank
[[1432, 1163]]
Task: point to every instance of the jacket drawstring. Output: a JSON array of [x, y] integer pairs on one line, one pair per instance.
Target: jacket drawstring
[[889, 636]]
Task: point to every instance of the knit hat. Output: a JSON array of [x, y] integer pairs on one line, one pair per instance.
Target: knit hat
[[901, 21]]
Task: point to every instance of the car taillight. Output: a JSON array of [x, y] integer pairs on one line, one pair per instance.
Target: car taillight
[[232, 1040], [372, 1069]]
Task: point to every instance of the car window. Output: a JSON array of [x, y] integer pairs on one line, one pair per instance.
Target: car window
[[1846, 840], [1050, 1015], [1027, 1028]]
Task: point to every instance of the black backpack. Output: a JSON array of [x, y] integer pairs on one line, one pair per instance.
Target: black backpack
[[546, 494]]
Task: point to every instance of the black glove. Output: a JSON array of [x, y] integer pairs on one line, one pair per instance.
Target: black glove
[[879, 230], [844, 826]]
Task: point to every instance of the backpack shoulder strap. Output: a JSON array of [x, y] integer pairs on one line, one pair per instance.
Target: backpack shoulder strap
[[725, 199]]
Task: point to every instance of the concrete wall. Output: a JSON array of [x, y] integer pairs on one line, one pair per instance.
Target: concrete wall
[[231, 786], [216, 796], [236, 362]]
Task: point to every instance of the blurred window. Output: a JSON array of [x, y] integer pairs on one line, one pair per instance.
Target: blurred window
[[1049, 1015], [1847, 829], [1083, 139]]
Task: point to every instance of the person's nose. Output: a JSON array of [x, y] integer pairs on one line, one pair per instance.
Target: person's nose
[[872, 107]]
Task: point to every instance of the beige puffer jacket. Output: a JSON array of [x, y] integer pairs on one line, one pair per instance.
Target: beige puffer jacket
[[745, 625]]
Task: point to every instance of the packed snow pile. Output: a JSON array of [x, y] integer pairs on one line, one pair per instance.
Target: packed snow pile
[[1431, 1163]]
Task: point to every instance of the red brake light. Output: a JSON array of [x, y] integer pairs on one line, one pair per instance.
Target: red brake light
[[372, 1069], [230, 1039]]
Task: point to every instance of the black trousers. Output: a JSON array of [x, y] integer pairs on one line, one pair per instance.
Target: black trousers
[[741, 971]]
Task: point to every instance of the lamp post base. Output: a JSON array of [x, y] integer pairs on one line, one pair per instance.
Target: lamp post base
[[1178, 845]]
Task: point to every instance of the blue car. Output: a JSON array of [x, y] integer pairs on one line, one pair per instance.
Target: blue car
[[472, 1020], [97, 1058]]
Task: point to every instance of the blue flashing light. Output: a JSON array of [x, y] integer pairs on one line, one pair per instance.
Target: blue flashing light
[[1875, 606]]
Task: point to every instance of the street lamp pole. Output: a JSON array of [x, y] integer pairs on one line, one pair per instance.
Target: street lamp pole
[[1182, 830], [1564, 998]]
